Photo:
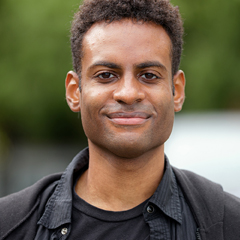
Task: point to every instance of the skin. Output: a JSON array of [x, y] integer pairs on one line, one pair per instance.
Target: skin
[[127, 109]]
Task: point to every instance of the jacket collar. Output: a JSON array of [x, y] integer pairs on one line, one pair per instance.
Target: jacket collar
[[58, 209]]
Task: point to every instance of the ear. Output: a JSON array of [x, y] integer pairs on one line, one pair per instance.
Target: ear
[[179, 84], [72, 91]]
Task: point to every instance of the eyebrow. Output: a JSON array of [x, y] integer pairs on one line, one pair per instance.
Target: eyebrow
[[143, 65], [105, 64], [151, 64]]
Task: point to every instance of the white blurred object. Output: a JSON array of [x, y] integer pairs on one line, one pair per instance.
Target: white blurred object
[[209, 145]]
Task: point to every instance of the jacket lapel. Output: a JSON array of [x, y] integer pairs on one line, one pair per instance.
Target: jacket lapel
[[206, 200]]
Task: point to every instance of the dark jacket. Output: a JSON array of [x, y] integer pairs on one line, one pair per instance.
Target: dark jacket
[[217, 213]]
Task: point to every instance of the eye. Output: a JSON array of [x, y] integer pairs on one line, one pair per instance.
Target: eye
[[105, 75], [149, 76]]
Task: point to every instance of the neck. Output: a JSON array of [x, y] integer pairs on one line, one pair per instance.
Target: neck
[[117, 184]]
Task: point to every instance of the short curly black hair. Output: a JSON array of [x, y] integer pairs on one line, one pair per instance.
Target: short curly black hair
[[160, 12]]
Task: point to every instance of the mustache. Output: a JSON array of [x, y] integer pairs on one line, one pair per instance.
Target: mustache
[[133, 109]]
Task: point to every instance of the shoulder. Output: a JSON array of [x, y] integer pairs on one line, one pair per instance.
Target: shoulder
[[28, 196], [231, 221], [197, 186], [203, 195], [211, 205], [17, 207]]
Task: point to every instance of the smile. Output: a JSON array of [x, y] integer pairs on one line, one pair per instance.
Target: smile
[[126, 118]]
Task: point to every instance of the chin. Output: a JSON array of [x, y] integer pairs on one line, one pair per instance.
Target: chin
[[130, 151], [127, 153]]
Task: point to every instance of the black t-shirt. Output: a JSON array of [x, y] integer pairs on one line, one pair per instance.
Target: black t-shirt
[[166, 215], [91, 223]]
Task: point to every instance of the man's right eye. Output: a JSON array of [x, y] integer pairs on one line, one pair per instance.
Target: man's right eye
[[105, 75]]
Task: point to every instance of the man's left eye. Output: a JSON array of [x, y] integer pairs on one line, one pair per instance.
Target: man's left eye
[[149, 76]]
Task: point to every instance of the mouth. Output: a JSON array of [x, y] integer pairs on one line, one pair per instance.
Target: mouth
[[128, 118]]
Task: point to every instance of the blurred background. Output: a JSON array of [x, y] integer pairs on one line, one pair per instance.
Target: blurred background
[[40, 135]]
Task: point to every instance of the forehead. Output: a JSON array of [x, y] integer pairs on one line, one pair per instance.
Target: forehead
[[135, 39]]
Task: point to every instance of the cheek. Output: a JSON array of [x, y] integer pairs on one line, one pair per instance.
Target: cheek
[[88, 115], [92, 100], [164, 106], [162, 98]]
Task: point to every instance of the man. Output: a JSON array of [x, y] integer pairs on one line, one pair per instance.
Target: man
[[127, 86]]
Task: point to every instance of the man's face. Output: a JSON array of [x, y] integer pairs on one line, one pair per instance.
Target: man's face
[[126, 100]]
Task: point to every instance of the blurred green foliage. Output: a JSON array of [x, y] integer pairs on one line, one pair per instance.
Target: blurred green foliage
[[211, 58], [35, 56]]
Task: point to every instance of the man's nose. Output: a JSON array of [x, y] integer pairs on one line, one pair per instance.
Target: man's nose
[[129, 90]]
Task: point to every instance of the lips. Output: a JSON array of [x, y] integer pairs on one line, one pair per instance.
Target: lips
[[129, 118]]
